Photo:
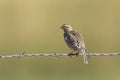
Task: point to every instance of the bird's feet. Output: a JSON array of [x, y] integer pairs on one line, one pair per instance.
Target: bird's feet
[[73, 54], [77, 54], [70, 55]]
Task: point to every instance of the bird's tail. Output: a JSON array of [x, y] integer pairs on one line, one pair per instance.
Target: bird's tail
[[85, 57]]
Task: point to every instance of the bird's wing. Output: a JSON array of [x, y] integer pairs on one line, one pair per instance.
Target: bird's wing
[[74, 40], [80, 40], [77, 38]]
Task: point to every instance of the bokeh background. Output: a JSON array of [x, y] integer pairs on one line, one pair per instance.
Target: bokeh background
[[33, 26]]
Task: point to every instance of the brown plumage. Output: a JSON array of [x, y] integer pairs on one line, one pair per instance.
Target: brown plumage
[[74, 41]]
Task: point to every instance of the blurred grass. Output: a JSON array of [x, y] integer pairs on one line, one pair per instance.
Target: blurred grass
[[33, 26]]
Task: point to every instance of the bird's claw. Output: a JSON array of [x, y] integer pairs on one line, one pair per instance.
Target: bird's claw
[[71, 54]]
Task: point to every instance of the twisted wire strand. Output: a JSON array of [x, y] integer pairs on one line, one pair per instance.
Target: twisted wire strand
[[56, 54]]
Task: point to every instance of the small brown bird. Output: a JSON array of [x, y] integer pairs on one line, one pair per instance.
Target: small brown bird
[[75, 41]]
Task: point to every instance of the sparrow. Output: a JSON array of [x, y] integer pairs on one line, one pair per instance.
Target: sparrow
[[75, 42]]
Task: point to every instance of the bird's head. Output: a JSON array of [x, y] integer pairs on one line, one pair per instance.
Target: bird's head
[[66, 28]]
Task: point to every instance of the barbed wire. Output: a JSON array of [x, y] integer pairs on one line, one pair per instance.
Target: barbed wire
[[23, 54]]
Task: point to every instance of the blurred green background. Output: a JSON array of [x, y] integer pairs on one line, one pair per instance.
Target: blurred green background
[[33, 26]]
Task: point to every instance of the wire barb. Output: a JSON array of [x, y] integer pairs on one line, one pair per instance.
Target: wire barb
[[21, 54]]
